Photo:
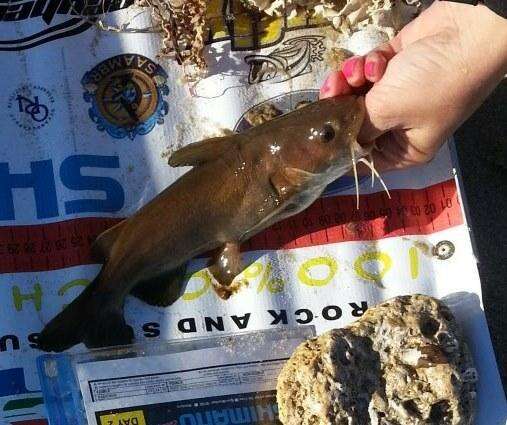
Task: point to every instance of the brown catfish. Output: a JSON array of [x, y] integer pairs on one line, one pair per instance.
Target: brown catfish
[[238, 186]]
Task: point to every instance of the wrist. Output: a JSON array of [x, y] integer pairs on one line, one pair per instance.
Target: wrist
[[497, 6], [482, 34], [476, 53]]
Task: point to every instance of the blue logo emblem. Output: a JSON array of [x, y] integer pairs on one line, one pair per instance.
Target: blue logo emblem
[[126, 93], [31, 107]]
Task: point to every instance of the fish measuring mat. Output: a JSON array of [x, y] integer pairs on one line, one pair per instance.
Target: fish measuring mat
[[70, 168], [409, 212]]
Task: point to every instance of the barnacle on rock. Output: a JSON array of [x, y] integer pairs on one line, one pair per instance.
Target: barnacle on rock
[[403, 362]]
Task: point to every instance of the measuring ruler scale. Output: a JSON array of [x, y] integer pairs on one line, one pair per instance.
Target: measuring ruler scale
[[330, 219]]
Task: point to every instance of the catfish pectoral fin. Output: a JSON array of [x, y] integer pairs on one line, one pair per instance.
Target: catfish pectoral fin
[[289, 181], [164, 290], [282, 185], [298, 177], [203, 151]]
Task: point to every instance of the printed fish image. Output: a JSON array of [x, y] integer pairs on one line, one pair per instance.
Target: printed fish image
[[294, 58], [239, 185]]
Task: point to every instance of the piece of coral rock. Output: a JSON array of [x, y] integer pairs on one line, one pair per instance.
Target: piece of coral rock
[[404, 362]]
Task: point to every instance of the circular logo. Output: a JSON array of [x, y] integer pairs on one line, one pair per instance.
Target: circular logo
[[127, 98], [126, 93], [281, 105], [31, 107], [444, 250]]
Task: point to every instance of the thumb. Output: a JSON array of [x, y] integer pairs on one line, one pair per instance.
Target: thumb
[[377, 101]]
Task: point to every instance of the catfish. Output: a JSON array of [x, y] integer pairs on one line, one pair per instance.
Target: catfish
[[238, 186]]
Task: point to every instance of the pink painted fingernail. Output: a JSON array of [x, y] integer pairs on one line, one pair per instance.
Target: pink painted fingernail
[[349, 66], [369, 69]]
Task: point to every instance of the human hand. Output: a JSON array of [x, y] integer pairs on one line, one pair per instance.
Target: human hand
[[426, 81]]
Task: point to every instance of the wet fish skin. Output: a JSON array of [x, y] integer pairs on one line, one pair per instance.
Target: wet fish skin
[[238, 186]]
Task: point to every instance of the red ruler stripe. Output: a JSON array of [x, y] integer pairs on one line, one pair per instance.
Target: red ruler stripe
[[329, 220], [50, 246]]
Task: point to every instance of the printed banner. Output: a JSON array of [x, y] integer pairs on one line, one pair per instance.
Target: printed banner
[[75, 160]]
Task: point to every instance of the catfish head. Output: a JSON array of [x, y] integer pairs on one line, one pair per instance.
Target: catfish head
[[320, 138]]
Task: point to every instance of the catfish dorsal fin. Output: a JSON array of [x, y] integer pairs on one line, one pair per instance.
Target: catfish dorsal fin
[[101, 247], [203, 151]]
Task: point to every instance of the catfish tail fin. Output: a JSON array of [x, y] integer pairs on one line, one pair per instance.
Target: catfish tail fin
[[94, 318], [69, 326]]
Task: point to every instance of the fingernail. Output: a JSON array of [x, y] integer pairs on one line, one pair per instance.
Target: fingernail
[[349, 66], [369, 69]]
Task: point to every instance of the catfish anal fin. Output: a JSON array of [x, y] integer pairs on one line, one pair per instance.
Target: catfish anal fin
[[226, 264], [163, 290], [102, 246], [224, 267], [203, 151]]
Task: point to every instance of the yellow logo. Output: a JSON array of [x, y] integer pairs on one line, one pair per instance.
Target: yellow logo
[[126, 418], [248, 29]]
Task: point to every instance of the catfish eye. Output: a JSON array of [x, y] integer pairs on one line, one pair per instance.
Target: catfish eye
[[327, 133]]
